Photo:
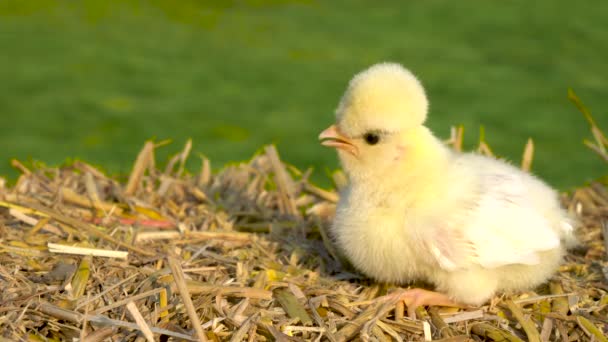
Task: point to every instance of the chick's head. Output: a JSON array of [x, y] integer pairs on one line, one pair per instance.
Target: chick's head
[[381, 112], [384, 95]]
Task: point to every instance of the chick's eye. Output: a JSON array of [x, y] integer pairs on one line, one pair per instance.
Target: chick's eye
[[371, 138]]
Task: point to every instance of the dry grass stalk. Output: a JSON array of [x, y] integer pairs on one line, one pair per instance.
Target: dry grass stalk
[[229, 291], [58, 248], [456, 138], [284, 182], [70, 196], [591, 330], [323, 194], [178, 277], [444, 330], [291, 305], [600, 145], [81, 278], [494, 333], [196, 236], [124, 301], [100, 334], [140, 321], [464, 316], [545, 333], [205, 174], [143, 162], [528, 156], [483, 147], [529, 327], [38, 224]]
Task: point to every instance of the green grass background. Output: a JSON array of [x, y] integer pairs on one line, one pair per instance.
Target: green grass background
[[94, 79]]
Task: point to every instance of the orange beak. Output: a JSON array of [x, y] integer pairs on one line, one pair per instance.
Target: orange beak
[[332, 138]]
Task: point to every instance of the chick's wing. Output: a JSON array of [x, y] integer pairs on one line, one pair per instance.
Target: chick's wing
[[499, 226]]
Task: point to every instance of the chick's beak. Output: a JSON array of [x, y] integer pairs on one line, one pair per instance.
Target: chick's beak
[[332, 138]]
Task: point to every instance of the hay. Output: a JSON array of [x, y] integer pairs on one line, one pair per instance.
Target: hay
[[242, 255]]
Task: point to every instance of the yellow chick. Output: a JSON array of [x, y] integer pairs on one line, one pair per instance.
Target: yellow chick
[[415, 209]]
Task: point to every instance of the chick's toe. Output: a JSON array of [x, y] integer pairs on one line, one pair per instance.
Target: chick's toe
[[416, 297]]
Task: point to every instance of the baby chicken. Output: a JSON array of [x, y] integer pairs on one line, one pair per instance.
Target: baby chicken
[[416, 210]]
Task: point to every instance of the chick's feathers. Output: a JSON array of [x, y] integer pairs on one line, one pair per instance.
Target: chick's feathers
[[383, 96], [490, 226]]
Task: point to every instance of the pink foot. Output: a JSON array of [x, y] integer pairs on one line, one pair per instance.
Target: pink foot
[[414, 298]]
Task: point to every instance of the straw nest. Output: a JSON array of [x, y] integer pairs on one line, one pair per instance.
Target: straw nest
[[242, 255]]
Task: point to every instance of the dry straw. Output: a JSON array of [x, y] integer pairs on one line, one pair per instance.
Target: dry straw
[[244, 255]]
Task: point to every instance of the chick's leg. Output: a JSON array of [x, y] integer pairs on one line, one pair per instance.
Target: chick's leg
[[414, 298]]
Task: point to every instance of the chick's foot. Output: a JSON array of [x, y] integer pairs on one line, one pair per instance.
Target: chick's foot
[[414, 298]]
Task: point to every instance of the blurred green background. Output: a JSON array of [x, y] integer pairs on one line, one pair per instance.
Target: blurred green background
[[94, 79]]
